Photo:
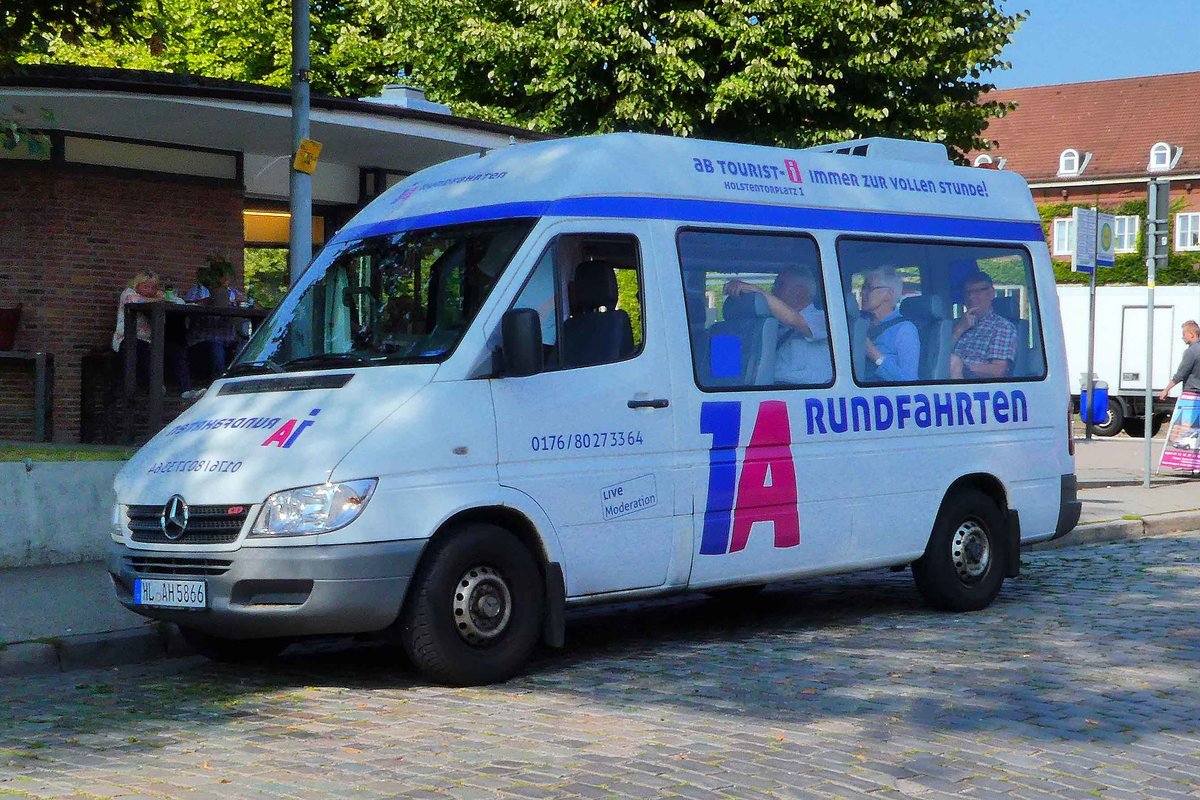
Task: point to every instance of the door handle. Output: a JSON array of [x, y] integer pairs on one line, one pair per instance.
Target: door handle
[[661, 402]]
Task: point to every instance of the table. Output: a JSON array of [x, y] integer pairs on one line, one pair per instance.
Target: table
[[158, 312], [43, 389]]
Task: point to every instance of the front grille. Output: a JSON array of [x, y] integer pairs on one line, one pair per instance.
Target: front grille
[[206, 524], [175, 566]]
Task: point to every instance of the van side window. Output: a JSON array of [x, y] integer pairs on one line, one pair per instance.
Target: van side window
[[587, 290], [940, 313], [756, 310]]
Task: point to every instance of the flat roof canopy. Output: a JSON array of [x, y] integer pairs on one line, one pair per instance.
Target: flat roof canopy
[[252, 120]]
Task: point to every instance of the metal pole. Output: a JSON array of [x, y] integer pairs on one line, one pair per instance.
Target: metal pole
[[1151, 262], [1090, 410], [300, 194]]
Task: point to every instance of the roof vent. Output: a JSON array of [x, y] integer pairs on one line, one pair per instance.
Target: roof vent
[[410, 97], [894, 149]]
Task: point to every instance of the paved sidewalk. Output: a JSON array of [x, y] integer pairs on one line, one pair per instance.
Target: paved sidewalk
[[62, 617]]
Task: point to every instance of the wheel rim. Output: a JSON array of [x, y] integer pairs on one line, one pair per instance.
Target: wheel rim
[[482, 605], [971, 551]]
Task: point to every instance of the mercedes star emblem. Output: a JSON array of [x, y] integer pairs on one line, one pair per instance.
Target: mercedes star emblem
[[174, 518]]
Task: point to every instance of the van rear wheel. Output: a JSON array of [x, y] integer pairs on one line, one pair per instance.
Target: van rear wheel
[[474, 611], [1114, 420], [964, 563]]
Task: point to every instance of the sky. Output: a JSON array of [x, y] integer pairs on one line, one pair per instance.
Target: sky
[[1064, 41]]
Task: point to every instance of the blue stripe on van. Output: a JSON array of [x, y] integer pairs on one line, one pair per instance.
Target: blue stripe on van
[[719, 211]]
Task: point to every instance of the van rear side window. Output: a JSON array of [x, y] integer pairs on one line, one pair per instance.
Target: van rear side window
[[932, 312], [756, 310]]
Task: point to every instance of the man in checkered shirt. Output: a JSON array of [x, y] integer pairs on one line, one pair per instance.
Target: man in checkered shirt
[[985, 343]]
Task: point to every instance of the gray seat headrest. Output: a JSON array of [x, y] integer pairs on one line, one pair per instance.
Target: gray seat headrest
[[595, 285], [923, 308], [750, 305], [1006, 306]]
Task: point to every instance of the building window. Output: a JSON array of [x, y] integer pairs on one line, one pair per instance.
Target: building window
[[1068, 162], [1064, 236], [982, 159], [1126, 234], [1160, 157], [1187, 231]]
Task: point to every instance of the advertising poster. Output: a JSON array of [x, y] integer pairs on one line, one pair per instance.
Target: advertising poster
[[1182, 449]]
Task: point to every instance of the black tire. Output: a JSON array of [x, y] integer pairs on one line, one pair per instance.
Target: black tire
[[474, 610], [736, 595], [1136, 426], [1114, 420], [964, 562], [232, 651]]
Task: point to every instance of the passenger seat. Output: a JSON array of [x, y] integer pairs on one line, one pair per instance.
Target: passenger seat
[[741, 348], [597, 332], [935, 329], [1023, 362]]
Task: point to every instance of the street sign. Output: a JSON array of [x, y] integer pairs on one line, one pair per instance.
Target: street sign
[[306, 156], [1106, 240], [1084, 257]]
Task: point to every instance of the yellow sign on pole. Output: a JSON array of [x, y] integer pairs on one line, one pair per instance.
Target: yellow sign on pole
[[306, 156]]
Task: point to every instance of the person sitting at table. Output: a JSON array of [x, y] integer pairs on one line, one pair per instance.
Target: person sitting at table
[[213, 341], [144, 288]]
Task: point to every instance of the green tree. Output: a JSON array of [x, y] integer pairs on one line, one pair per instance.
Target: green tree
[[244, 40], [791, 72], [25, 22]]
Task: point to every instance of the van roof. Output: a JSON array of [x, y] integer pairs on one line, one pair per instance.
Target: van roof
[[661, 177]]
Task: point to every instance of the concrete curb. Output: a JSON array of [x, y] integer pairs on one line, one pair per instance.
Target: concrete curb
[[1124, 530], [108, 649], [1108, 483], [152, 642]]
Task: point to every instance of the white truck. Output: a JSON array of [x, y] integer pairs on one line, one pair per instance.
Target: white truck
[[1120, 355]]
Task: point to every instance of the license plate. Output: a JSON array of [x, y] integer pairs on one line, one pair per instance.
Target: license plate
[[170, 594]]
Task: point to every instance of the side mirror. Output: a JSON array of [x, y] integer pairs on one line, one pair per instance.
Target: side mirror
[[521, 343]]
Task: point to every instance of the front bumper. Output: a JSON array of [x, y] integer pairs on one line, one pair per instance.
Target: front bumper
[[259, 592], [1069, 506]]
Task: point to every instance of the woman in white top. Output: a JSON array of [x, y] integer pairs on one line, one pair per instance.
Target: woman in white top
[[144, 288]]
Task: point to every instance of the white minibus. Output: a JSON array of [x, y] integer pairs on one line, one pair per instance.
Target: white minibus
[[615, 367]]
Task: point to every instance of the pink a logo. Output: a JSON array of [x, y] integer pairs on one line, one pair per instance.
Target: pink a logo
[[766, 489], [286, 434]]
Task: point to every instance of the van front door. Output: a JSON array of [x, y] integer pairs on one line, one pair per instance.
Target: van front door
[[590, 438]]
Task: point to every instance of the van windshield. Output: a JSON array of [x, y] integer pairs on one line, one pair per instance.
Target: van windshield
[[404, 297]]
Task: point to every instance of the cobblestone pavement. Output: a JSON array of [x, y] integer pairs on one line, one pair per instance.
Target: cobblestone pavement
[[1082, 680]]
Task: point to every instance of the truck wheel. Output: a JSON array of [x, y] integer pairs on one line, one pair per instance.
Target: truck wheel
[[964, 562], [232, 651], [1136, 426], [1114, 420], [474, 612]]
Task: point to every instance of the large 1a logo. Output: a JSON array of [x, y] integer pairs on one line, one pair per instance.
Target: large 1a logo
[[766, 489]]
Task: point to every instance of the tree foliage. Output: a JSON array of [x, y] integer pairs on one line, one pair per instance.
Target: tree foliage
[[792, 72], [353, 53], [25, 22]]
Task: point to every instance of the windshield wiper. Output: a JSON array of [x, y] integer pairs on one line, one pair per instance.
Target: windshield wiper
[[253, 368], [324, 360]]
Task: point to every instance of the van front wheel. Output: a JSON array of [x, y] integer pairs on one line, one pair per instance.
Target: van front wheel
[[474, 611], [964, 562]]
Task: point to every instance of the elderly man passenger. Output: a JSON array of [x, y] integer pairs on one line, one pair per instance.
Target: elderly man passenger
[[802, 356], [985, 343], [893, 347]]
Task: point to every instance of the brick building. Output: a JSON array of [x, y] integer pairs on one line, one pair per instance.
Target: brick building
[[157, 171], [1098, 143]]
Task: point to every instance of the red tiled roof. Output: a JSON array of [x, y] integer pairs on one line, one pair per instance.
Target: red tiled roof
[[1117, 121]]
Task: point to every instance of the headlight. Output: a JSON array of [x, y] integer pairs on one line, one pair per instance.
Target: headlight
[[313, 509], [117, 529]]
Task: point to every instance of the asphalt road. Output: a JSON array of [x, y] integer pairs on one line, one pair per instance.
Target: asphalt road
[[1082, 680]]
